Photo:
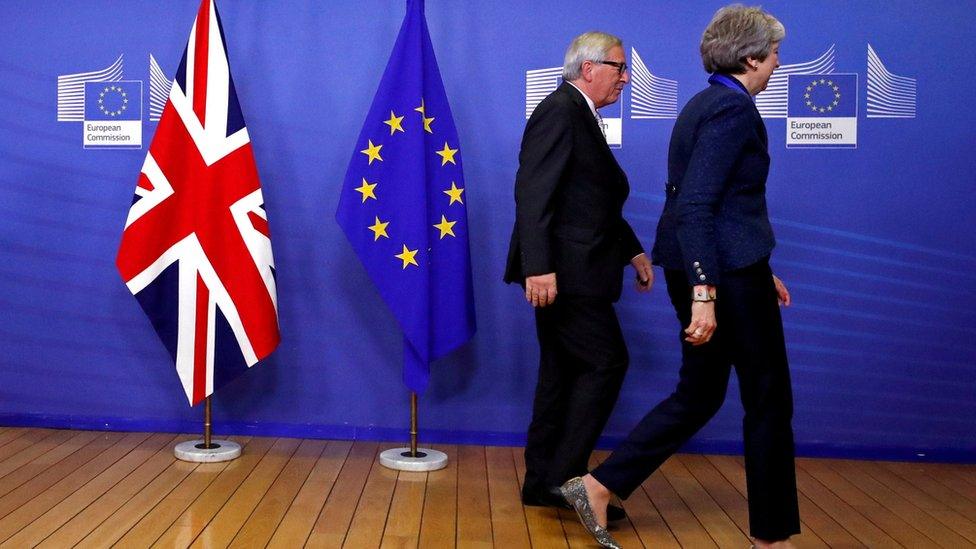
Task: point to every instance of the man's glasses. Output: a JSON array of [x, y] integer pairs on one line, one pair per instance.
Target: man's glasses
[[621, 66]]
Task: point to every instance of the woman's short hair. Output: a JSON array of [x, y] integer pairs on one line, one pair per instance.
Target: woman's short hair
[[589, 46], [736, 33]]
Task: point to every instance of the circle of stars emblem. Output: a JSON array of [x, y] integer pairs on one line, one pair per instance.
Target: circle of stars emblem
[[123, 104], [825, 84]]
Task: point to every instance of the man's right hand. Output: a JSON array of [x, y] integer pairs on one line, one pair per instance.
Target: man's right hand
[[540, 290]]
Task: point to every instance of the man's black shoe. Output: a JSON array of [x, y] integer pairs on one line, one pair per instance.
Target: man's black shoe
[[615, 513], [545, 497], [552, 497]]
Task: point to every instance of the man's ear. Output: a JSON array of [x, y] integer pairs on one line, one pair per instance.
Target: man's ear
[[586, 70]]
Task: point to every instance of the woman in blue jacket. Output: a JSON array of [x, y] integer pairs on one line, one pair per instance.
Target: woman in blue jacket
[[713, 241]]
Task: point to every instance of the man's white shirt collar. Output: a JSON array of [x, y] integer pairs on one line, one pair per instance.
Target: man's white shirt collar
[[589, 101], [592, 105]]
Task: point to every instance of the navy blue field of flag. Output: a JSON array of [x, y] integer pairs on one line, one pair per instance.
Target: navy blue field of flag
[[113, 100], [822, 95]]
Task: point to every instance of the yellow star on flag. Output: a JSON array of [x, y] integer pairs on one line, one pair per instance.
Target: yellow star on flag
[[407, 256], [373, 152], [455, 193], [379, 229], [447, 154], [423, 114], [445, 227], [395, 123], [367, 190]]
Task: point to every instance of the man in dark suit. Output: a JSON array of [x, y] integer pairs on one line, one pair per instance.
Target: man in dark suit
[[570, 238]]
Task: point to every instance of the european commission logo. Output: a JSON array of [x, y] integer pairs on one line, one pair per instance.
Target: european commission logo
[[822, 111], [821, 106], [113, 114], [109, 107]]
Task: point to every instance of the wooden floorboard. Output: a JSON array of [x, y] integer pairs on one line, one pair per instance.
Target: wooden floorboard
[[28, 471], [474, 513], [128, 492], [504, 498], [438, 526], [147, 501], [62, 477], [64, 509], [238, 508], [652, 529], [33, 450], [723, 531], [933, 506], [333, 521], [296, 525], [12, 454], [199, 513], [373, 509], [83, 489], [406, 511], [263, 521], [939, 533], [897, 528]]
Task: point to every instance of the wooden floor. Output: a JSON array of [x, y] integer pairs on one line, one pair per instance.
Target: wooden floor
[[96, 489]]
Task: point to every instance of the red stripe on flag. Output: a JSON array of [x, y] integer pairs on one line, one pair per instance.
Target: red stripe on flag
[[144, 182], [200, 62], [200, 342], [259, 223]]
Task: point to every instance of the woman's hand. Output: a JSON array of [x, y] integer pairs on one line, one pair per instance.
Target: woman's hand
[[703, 323], [782, 294]]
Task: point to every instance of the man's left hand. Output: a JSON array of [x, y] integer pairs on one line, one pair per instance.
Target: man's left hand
[[645, 272]]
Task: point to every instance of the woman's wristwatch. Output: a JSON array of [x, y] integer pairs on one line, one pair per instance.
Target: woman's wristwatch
[[703, 294]]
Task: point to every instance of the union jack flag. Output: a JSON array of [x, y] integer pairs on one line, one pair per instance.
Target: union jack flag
[[196, 250]]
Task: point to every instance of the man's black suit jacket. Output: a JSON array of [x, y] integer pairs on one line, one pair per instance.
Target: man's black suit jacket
[[569, 196]]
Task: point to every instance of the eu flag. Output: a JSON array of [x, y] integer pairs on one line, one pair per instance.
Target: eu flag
[[403, 205], [822, 95], [113, 100]]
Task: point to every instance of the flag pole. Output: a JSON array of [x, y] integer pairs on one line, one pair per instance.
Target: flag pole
[[207, 426], [413, 458], [413, 424], [207, 450]]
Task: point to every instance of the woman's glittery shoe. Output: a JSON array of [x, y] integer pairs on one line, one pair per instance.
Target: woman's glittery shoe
[[575, 494]]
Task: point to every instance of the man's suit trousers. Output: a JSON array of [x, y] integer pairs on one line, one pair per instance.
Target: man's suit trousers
[[582, 364]]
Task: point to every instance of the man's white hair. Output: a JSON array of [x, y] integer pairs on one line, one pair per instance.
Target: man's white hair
[[589, 46]]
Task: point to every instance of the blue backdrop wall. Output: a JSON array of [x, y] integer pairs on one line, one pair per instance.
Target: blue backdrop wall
[[876, 242]]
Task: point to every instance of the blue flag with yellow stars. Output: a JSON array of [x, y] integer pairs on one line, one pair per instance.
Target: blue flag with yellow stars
[[403, 205]]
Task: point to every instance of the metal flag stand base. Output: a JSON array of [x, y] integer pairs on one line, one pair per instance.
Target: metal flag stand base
[[413, 458], [207, 450]]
